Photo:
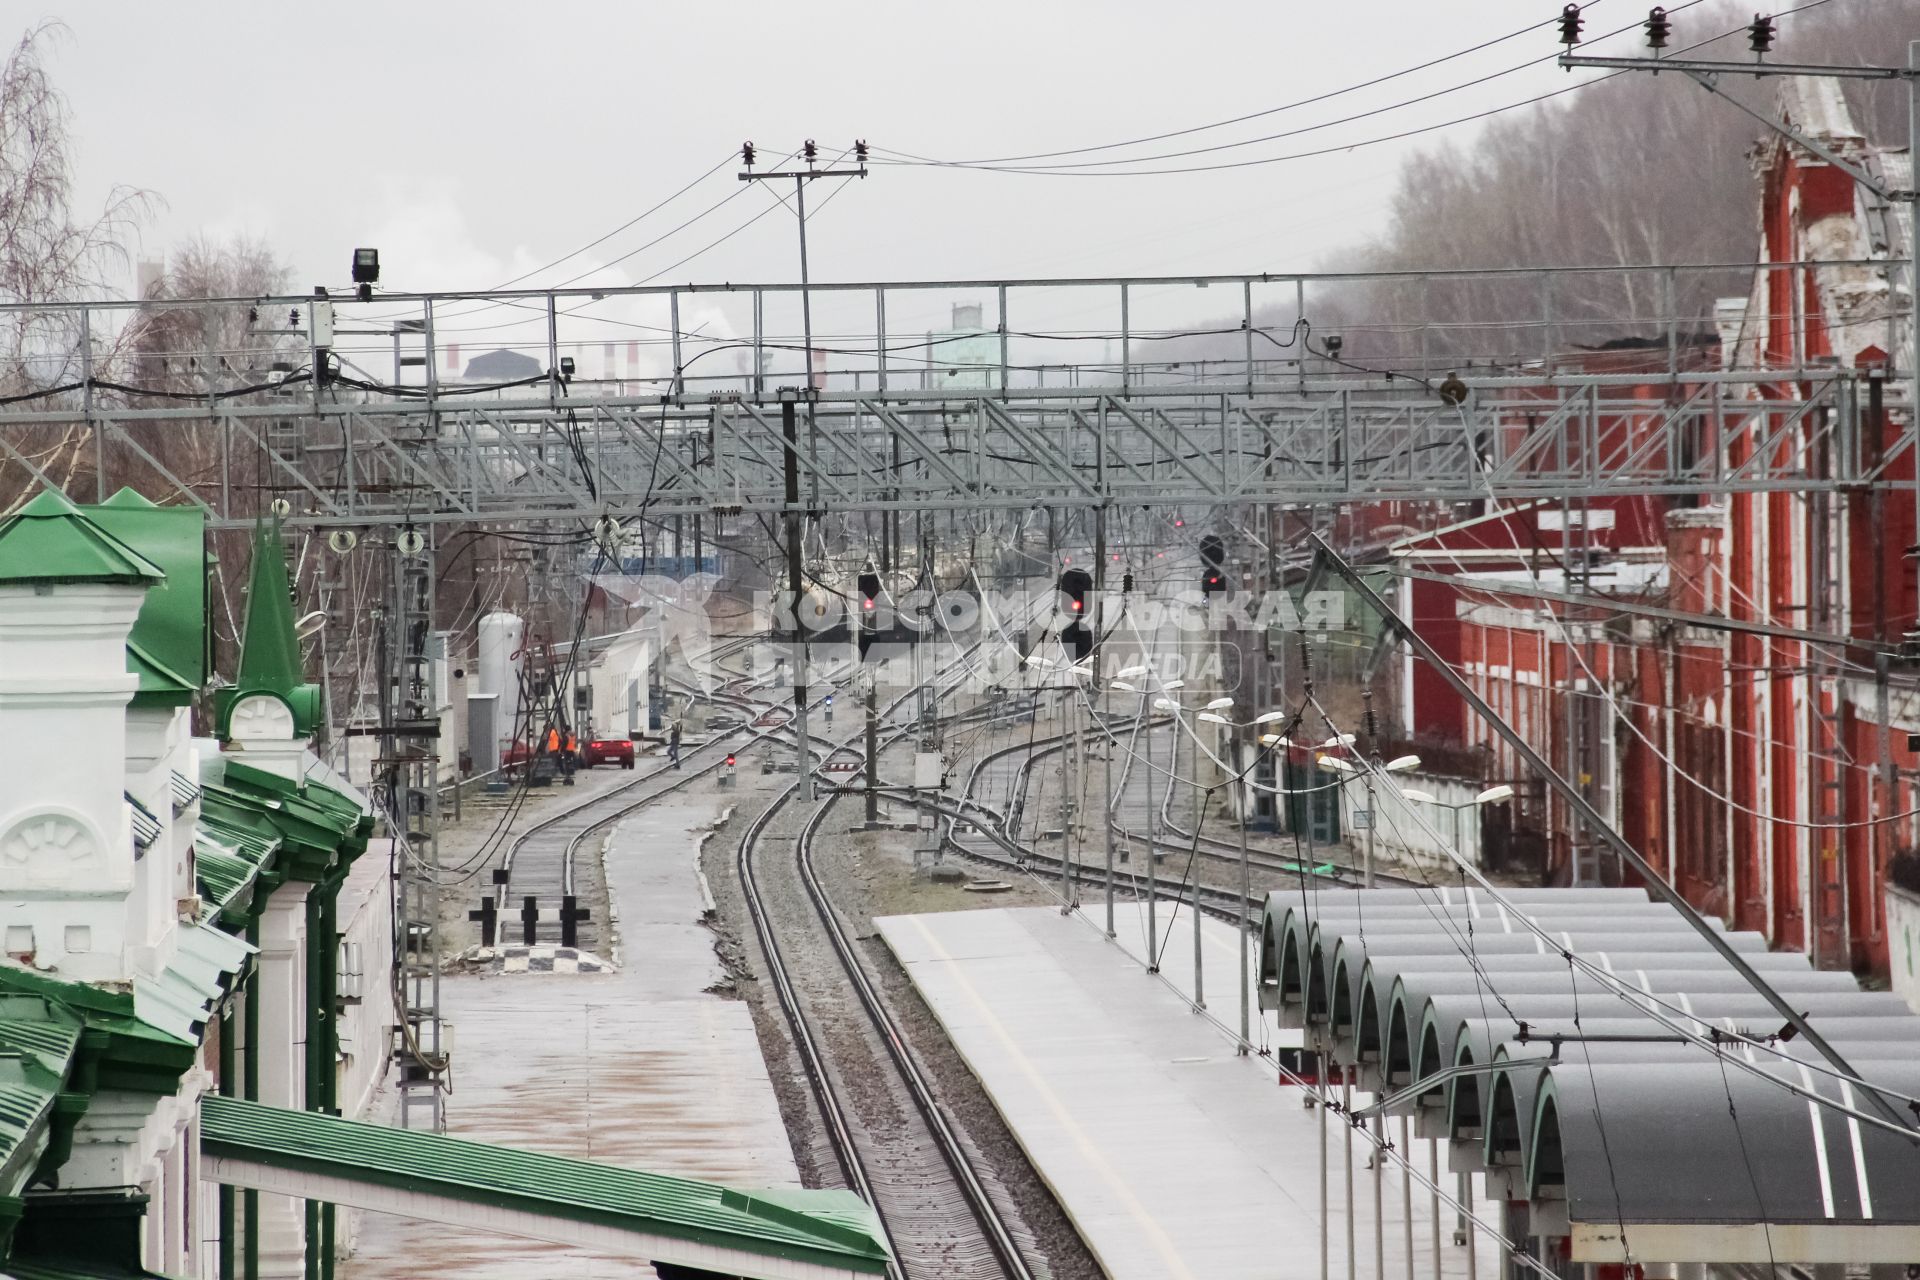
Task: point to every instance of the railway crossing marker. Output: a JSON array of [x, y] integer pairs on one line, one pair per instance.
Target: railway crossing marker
[[570, 914], [489, 917]]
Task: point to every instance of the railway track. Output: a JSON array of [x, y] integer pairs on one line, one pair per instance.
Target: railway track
[[1022, 758], [943, 1209], [541, 861]]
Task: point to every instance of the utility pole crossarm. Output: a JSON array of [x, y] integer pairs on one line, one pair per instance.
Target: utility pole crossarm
[[861, 172], [1706, 80], [1572, 60]]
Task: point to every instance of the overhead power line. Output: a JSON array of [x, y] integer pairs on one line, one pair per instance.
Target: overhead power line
[[1256, 115], [1063, 171]]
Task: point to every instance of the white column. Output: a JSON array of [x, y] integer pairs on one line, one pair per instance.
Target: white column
[[280, 987]]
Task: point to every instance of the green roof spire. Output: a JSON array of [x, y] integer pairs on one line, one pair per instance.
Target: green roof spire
[[270, 649], [50, 540]]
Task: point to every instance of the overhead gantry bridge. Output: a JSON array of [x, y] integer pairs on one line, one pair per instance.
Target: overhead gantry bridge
[[1140, 392]]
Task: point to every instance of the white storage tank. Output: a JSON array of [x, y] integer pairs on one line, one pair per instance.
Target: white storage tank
[[499, 666]]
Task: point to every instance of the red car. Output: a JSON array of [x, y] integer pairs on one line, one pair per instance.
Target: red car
[[607, 751]]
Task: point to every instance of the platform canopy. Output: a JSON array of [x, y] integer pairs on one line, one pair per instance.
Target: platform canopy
[[1553, 1036], [775, 1235]]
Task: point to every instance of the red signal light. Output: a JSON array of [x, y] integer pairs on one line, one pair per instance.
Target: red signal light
[[866, 604], [729, 762], [1074, 605]]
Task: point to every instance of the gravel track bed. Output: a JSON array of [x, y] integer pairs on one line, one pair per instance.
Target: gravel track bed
[[865, 874]]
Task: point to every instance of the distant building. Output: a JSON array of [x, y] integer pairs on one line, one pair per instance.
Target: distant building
[[502, 365], [966, 355]]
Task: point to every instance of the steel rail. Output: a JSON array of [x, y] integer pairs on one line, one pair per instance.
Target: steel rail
[[999, 1238]]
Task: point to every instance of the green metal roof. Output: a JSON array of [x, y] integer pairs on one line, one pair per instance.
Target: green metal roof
[[146, 827], [148, 1035], [39, 1040], [167, 647], [317, 827], [825, 1228], [204, 965], [228, 862], [186, 792], [270, 648], [92, 1234], [51, 540]]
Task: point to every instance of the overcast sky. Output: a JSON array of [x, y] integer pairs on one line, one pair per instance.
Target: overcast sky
[[473, 142]]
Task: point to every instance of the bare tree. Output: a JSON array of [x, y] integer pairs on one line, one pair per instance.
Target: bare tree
[[188, 342], [48, 256], [1635, 170]]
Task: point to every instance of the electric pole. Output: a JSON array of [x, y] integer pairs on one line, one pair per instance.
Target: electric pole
[[810, 152], [794, 522]]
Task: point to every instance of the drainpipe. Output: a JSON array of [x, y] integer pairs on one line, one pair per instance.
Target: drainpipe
[[330, 1039], [311, 1092], [323, 1039], [250, 1085], [229, 1062]]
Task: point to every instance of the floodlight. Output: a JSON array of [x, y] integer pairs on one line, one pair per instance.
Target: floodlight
[[1494, 794], [1400, 764]]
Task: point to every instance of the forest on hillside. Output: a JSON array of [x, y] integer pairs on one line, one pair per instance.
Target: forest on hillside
[[1634, 169]]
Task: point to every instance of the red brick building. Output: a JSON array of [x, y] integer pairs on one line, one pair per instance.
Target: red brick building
[[1768, 776]]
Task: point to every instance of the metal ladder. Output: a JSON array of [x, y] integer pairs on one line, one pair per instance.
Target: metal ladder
[[410, 730]]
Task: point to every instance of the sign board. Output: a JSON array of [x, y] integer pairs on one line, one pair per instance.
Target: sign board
[[1552, 521], [1362, 820]]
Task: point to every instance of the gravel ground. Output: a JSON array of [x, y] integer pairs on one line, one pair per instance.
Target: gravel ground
[[869, 873], [471, 847]]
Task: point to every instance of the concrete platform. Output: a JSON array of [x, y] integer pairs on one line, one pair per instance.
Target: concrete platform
[[641, 1066], [1174, 1156]]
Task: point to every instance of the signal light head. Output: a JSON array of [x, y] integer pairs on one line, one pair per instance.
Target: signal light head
[[729, 761]]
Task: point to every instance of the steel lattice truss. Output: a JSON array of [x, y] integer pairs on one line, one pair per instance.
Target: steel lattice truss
[[518, 460], [1238, 427]]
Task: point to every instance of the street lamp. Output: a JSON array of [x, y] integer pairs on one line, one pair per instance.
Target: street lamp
[[1212, 716], [1492, 795], [1399, 764]]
